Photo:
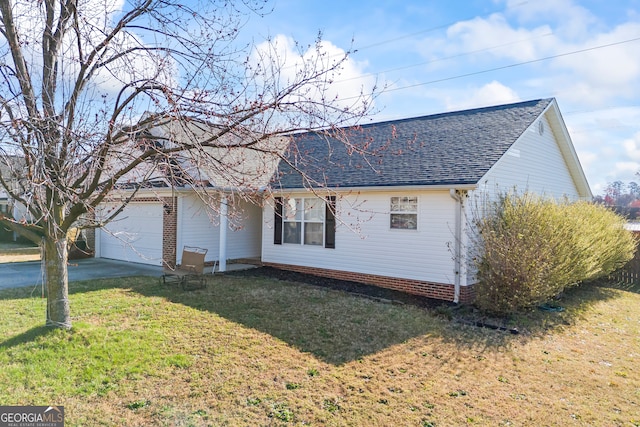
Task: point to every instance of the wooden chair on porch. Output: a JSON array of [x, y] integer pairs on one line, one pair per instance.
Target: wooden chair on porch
[[190, 273]]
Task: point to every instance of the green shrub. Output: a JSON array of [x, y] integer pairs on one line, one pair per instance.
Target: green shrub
[[530, 249]]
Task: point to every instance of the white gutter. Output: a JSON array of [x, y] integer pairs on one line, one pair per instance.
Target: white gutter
[[191, 188], [458, 195], [384, 188]]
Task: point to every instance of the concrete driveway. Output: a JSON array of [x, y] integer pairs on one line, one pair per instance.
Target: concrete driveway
[[18, 274]]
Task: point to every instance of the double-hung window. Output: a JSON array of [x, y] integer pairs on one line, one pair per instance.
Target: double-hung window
[[305, 221], [404, 213]]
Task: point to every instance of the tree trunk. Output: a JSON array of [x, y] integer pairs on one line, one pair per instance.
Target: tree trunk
[[57, 281]]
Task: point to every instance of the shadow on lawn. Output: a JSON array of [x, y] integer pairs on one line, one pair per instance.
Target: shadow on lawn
[[26, 337], [627, 287], [332, 326], [337, 328]]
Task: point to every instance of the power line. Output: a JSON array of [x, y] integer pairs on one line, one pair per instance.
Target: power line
[[405, 67], [439, 27], [504, 67], [428, 30], [593, 110]]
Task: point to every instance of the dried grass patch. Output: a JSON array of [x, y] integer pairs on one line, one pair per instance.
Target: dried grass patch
[[252, 351]]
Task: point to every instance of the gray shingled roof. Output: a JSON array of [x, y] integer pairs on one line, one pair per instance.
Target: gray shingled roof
[[454, 148]]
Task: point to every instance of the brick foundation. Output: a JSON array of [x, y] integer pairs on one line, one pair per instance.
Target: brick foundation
[[467, 294], [169, 230], [440, 291]]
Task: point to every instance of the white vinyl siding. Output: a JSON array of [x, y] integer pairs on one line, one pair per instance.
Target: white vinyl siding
[[244, 240], [198, 225], [533, 164], [366, 244]]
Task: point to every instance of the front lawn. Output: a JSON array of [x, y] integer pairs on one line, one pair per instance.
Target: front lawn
[[255, 351]]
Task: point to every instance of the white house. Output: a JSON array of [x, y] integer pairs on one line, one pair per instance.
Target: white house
[[10, 170], [390, 208]]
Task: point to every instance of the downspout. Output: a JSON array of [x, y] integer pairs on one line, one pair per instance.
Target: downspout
[[458, 196], [222, 252]]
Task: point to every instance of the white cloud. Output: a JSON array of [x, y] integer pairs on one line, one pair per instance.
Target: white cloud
[[96, 18], [554, 29], [493, 93], [632, 148], [286, 63], [136, 66], [570, 20], [627, 167], [597, 76], [496, 37], [607, 150], [587, 159]]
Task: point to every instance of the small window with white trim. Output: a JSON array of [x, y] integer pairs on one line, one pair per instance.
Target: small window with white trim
[[404, 213]]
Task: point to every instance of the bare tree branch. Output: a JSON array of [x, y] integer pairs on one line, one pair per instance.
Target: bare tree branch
[[101, 104]]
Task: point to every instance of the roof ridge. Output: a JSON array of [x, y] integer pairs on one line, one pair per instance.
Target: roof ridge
[[455, 112], [456, 147]]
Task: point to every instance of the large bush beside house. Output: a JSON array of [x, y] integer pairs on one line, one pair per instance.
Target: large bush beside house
[[530, 249]]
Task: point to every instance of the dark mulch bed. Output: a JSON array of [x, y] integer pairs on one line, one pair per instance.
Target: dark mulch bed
[[373, 292], [469, 316]]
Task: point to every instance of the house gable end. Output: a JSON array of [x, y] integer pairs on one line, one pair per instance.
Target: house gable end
[[568, 150], [542, 160]]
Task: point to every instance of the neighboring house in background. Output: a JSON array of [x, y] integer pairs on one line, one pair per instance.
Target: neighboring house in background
[[396, 218], [10, 170], [4, 202]]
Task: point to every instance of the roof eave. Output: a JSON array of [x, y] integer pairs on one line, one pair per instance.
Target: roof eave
[[568, 150], [382, 188]]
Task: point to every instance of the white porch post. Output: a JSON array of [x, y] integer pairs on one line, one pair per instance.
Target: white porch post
[[97, 242], [222, 266]]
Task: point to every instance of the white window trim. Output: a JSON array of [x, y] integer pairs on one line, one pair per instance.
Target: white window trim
[[392, 212], [303, 222]]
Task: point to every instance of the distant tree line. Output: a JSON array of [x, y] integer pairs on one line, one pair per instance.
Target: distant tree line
[[624, 199]]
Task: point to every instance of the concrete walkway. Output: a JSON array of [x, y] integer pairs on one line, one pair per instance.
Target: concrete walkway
[[18, 274]]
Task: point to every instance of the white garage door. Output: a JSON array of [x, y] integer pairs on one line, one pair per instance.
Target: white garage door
[[135, 235]]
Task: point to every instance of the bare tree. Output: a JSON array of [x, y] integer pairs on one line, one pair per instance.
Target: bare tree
[[87, 84]]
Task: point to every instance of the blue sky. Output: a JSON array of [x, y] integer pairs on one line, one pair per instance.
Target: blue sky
[[437, 56]]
